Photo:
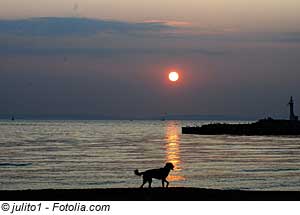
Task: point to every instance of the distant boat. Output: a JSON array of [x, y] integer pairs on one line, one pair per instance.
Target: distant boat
[[266, 126]]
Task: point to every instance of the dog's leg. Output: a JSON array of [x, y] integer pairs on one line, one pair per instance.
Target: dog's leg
[[163, 182], [150, 181], [167, 182], [144, 182]]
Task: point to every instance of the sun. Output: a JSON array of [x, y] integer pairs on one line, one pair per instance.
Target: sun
[[173, 76]]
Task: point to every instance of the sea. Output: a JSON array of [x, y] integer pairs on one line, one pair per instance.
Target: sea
[[79, 154]]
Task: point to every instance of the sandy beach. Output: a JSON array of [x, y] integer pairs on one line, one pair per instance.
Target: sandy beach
[[153, 194]]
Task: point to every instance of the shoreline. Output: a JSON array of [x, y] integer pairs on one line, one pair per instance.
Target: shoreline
[[146, 194]]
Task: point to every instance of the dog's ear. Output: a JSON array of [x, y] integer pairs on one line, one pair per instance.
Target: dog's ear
[[170, 165]]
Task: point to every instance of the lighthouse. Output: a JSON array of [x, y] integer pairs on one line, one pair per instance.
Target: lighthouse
[[293, 117]]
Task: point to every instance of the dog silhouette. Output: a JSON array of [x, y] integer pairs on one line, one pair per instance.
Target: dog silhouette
[[161, 174]]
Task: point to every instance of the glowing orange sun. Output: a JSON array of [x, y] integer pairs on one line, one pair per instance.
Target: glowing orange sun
[[173, 76]]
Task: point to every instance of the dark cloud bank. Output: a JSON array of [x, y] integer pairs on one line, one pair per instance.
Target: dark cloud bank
[[53, 26]]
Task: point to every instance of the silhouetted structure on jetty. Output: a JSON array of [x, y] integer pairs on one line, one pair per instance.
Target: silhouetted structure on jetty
[[266, 126], [293, 117]]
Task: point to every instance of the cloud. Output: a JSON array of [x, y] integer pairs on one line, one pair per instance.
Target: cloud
[[263, 37], [61, 26], [293, 37], [173, 23], [53, 35], [113, 52]]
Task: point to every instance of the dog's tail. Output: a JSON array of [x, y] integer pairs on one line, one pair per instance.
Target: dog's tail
[[137, 172]]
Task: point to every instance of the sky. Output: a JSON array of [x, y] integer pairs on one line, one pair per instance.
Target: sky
[[111, 59]]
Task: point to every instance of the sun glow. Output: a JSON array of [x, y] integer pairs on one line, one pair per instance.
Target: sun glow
[[173, 76], [173, 151]]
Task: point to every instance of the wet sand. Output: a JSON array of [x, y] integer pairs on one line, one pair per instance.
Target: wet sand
[[146, 194]]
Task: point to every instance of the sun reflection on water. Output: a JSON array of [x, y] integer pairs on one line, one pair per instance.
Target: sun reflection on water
[[173, 151]]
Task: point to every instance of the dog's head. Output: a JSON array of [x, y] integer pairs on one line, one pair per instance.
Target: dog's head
[[169, 166]]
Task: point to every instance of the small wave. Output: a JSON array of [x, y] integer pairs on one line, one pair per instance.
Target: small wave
[[270, 170], [15, 164]]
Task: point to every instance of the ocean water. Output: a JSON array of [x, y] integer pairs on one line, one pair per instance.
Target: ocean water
[[104, 154]]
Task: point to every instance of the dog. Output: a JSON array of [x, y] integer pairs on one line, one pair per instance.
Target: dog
[[161, 174]]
